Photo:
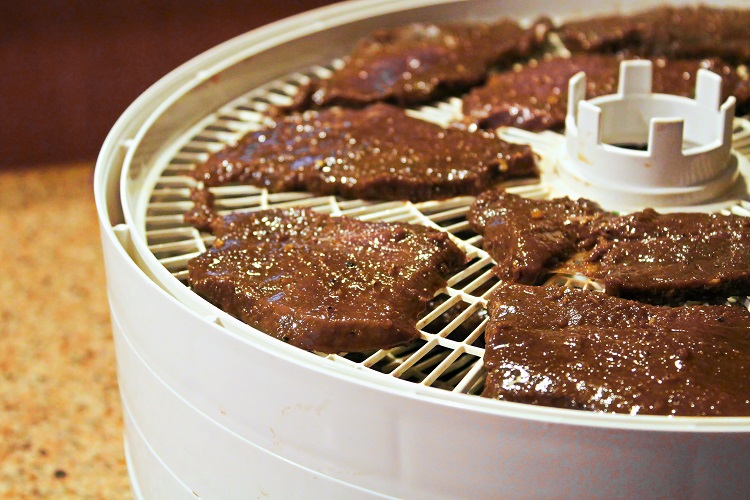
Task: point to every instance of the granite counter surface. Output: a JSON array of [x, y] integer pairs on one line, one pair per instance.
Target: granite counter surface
[[60, 416]]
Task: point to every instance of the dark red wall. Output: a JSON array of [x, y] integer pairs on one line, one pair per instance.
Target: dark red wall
[[68, 69]]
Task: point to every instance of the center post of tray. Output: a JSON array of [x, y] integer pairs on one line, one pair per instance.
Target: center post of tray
[[641, 148]]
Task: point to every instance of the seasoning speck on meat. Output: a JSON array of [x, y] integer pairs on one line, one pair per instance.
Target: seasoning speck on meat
[[322, 283], [585, 350]]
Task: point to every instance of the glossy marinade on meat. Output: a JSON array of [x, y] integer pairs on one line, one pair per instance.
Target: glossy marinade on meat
[[378, 152], [687, 31], [322, 283], [419, 62], [535, 96], [645, 255], [583, 350]]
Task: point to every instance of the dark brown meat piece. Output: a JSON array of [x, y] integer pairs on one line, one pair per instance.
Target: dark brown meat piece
[[328, 284], [203, 211], [669, 257], [535, 96], [378, 152], [646, 256], [419, 62], [585, 350], [690, 31], [529, 238]]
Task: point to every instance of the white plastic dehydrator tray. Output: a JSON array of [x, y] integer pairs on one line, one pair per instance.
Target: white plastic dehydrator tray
[[216, 409]]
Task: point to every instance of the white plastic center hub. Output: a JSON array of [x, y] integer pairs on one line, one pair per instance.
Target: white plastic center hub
[[686, 157]]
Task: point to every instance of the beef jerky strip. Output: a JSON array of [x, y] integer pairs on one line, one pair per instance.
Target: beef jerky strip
[[419, 62], [322, 283], [584, 350], [535, 96], [378, 152], [684, 32], [645, 255]]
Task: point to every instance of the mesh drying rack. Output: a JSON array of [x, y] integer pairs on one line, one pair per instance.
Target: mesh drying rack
[[449, 353]]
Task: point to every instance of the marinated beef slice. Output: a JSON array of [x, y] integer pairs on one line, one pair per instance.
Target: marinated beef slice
[[322, 283], [419, 62], [535, 96], [669, 257], [645, 255], [689, 31], [203, 211], [378, 152], [529, 238], [584, 350]]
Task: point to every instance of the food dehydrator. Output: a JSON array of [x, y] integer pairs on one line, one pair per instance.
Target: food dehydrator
[[216, 409]]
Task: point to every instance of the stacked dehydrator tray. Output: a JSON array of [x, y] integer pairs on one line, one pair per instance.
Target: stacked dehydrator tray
[[216, 409]]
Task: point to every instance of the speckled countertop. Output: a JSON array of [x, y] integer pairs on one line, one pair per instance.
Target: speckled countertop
[[60, 418]]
